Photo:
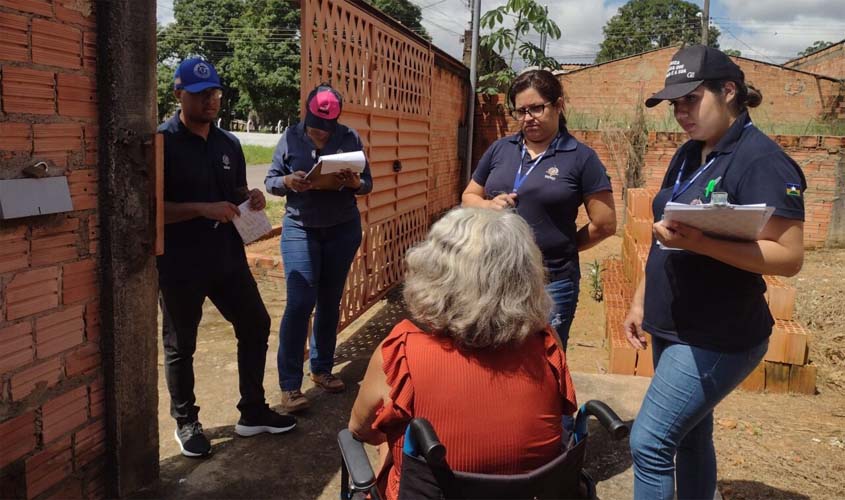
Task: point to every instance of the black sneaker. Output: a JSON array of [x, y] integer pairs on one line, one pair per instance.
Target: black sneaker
[[265, 420], [192, 441]]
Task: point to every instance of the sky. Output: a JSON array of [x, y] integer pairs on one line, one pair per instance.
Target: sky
[[768, 30]]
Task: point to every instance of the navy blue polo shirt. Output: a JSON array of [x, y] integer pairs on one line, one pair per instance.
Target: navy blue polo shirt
[[697, 300], [315, 208], [549, 197], [198, 170]]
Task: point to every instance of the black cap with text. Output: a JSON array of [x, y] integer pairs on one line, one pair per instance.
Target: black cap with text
[[690, 67]]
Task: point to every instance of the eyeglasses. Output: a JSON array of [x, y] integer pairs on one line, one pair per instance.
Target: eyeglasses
[[535, 110], [208, 94]]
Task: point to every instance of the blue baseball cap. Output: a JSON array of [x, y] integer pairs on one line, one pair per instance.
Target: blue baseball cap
[[195, 75]]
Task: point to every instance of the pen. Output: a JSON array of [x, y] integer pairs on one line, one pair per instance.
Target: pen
[[216, 223]]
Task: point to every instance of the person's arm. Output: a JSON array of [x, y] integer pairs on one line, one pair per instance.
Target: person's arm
[[779, 251], [633, 323], [473, 196], [221, 211], [602, 215], [374, 393], [281, 178]]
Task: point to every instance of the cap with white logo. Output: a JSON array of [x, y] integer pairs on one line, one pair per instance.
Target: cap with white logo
[[692, 66]]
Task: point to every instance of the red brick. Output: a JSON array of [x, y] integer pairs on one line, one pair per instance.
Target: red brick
[[83, 189], [14, 37], [59, 332], [83, 360], [79, 281], [63, 414], [77, 96], [802, 379], [55, 141], [63, 225], [48, 468], [40, 376], [31, 292], [17, 438], [15, 347], [756, 380], [14, 253], [56, 44], [29, 91], [76, 11], [97, 399], [70, 488], [41, 7], [92, 322], [89, 51], [17, 137], [55, 249], [89, 443], [777, 377]]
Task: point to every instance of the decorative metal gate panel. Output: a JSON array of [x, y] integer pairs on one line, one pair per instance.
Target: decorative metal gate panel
[[385, 77]]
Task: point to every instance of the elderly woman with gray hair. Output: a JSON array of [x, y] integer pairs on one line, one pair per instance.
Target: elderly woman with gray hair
[[479, 358]]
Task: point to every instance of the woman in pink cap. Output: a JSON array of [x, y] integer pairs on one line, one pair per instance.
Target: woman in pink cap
[[320, 235]]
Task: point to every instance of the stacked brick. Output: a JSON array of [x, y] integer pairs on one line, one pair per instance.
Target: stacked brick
[[52, 428], [785, 367]]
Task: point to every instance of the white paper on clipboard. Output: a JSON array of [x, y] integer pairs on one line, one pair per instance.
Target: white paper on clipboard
[[736, 222], [354, 161], [251, 224]]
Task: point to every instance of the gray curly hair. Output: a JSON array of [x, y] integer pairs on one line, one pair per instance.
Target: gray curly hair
[[479, 279]]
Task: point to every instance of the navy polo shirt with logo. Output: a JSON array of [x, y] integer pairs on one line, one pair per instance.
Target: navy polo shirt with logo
[[696, 300], [549, 197], [197, 170]]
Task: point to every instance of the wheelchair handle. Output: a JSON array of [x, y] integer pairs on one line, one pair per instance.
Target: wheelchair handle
[[608, 418], [427, 442]]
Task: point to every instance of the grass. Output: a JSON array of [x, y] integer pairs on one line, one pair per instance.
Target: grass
[[258, 155], [275, 210]]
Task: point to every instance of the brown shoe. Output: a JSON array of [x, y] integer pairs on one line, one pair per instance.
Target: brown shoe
[[294, 401], [328, 382]]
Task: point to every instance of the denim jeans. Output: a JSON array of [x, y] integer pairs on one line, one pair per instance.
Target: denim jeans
[[316, 261], [673, 433], [564, 294]]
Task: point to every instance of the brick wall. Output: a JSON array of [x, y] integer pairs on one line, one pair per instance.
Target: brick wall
[[818, 156], [448, 112], [52, 431], [615, 89], [830, 61]]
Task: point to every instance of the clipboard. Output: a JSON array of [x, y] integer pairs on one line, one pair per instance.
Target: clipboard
[[322, 173], [734, 222], [322, 181]]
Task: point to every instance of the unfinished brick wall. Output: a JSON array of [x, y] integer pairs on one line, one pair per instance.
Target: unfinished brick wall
[[830, 61], [818, 156], [448, 112], [52, 431], [613, 90]]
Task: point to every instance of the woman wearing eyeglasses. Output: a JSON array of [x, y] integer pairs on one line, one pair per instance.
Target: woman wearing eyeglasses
[[544, 174]]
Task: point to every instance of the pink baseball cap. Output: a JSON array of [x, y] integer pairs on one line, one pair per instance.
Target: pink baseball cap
[[323, 108]]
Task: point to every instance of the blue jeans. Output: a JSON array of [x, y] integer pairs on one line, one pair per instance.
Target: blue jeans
[[564, 294], [673, 432], [317, 261]]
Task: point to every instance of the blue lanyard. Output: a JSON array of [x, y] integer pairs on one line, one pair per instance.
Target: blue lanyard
[[520, 178], [678, 190]]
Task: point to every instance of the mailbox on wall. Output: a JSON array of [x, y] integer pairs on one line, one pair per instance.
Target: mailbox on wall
[[28, 197]]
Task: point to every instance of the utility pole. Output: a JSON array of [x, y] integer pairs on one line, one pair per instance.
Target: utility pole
[[473, 78], [705, 23]]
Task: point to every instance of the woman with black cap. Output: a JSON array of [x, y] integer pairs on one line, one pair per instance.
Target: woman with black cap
[[704, 305], [321, 233]]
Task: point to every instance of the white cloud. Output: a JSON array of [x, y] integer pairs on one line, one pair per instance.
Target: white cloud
[[784, 10]]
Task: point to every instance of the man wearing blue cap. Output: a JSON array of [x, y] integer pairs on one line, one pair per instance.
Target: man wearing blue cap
[[204, 182]]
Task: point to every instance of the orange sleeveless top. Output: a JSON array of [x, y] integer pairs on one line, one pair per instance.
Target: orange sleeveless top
[[497, 411]]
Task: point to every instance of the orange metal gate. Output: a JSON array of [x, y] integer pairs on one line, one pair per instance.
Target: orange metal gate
[[385, 77]]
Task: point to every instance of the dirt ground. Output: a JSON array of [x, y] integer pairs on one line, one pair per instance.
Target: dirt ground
[[768, 445]]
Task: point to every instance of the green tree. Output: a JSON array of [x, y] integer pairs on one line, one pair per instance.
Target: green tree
[[817, 46], [403, 11], [265, 65], [643, 25], [510, 40], [732, 52]]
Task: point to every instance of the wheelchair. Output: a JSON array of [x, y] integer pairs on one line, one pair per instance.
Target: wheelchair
[[426, 474]]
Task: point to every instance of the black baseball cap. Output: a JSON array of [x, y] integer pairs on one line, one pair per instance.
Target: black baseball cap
[[692, 66]]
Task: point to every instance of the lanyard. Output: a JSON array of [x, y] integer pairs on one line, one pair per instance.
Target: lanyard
[[678, 190], [520, 178]]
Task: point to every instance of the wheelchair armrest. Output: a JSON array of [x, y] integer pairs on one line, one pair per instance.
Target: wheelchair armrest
[[608, 418], [356, 460]]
